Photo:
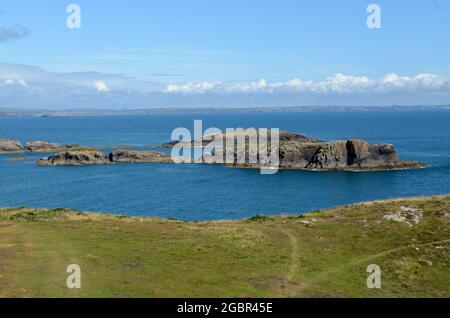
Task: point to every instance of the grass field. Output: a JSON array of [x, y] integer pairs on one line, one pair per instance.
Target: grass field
[[321, 254]]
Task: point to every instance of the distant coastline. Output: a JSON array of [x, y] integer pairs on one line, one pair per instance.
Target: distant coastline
[[17, 112]]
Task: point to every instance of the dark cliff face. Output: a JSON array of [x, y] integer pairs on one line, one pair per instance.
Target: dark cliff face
[[353, 153], [300, 152], [297, 153]]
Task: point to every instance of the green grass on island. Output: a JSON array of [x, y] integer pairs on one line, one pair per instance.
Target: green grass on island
[[321, 254]]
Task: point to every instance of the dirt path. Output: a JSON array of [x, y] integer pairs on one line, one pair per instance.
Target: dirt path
[[289, 285], [375, 256], [397, 249], [8, 256], [292, 288]]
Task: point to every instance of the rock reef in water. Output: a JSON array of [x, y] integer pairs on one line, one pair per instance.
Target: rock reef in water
[[94, 157], [75, 158], [10, 146], [42, 146], [14, 146], [138, 156]]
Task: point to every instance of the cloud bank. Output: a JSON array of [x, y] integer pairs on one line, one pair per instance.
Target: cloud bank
[[337, 84], [24, 86]]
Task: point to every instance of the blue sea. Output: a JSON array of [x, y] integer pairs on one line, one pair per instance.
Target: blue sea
[[211, 192]]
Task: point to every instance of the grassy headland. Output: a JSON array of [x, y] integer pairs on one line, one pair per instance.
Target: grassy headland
[[324, 253]]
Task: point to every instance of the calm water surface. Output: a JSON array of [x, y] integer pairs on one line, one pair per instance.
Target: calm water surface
[[201, 192]]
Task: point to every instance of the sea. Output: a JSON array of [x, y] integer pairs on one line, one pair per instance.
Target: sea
[[213, 192]]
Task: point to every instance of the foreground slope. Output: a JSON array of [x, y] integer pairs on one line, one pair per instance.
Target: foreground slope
[[324, 253]]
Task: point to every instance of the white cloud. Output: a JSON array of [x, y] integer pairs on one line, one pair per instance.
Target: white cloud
[[336, 84], [101, 86], [30, 86], [17, 81], [188, 88], [341, 84], [421, 81]]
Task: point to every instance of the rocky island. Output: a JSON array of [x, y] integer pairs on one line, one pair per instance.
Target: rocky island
[[8, 146], [296, 151], [81, 157]]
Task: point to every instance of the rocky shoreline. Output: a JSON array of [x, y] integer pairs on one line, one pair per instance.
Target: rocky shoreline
[[296, 152]]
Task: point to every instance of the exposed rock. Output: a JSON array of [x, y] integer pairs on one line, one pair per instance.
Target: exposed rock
[[356, 154], [170, 144], [93, 157], [357, 151], [331, 155], [285, 136], [297, 154], [75, 158], [442, 214], [42, 146], [307, 223], [297, 151], [427, 262], [139, 156], [10, 146], [407, 215]]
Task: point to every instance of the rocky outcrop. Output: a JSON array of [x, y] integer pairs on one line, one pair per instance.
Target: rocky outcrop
[[300, 152], [285, 136], [138, 156], [409, 216], [297, 154], [331, 155], [75, 158], [297, 151], [354, 154], [14, 146], [42, 146], [93, 157], [10, 146]]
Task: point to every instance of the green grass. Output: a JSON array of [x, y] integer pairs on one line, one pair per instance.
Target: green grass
[[258, 257]]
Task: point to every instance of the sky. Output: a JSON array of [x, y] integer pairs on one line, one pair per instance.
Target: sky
[[223, 53]]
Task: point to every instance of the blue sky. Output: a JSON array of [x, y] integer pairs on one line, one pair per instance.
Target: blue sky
[[178, 53]]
